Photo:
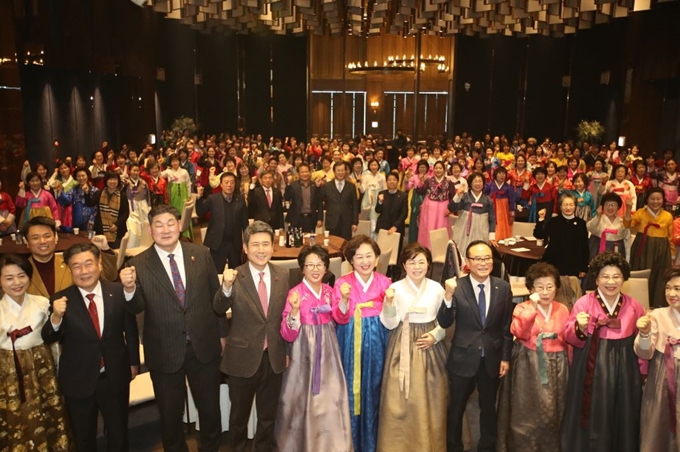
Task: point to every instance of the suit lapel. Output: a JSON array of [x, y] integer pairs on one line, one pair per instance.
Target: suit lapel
[[37, 285], [189, 272], [493, 303], [107, 295], [472, 299], [251, 288]]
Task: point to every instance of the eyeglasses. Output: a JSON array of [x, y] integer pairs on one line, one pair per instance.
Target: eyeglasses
[[615, 278], [319, 266], [481, 260], [547, 289]]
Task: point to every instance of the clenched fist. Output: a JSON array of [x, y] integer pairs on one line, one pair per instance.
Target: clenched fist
[[345, 289], [381, 198], [228, 277], [59, 307], [644, 324], [128, 278], [582, 318], [199, 191], [389, 296], [450, 287], [294, 300]]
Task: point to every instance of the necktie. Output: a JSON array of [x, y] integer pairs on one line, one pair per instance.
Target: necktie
[[340, 186], [481, 303], [92, 309], [177, 280], [269, 197], [262, 293]]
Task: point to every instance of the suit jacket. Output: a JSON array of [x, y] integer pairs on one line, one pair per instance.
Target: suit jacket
[[249, 325], [341, 208], [165, 321], [215, 204], [294, 195], [471, 336], [82, 349], [260, 210], [62, 275], [393, 211]]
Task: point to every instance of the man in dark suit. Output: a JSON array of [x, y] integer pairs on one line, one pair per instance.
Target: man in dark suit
[[303, 196], [228, 219], [481, 306], [266, 202], [255, 354], [340, 200], [174, 282], [100, 350]]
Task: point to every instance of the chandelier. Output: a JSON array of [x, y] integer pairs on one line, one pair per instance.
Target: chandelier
[[399, 64]]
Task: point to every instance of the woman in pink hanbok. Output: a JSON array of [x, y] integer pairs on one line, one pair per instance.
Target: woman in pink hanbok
[[313, 413], [438, 191]]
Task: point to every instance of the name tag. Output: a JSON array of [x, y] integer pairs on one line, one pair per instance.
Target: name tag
[[417, 310]]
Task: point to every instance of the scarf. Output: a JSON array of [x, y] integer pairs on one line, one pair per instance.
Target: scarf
[[109, 208]]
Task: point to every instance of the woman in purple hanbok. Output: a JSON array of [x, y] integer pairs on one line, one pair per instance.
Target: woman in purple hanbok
[[313, 413]]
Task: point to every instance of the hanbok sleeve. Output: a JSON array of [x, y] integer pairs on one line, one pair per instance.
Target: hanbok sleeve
[[290, 326], [523, 319]]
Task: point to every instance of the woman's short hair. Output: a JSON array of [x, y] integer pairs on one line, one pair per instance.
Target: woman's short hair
[[581, 176], [317, 250], [411, 250], [31, 175], [671, 273], [611, 197], [497, 171], [18, 260], [606, 259], [424, 163], [542, 270], [474, 176], [653, 190], [567, 195], [539, 170], [351, 246]]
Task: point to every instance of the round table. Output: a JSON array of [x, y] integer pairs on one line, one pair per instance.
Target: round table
[[65, 241], [518, 262], [334, 247]]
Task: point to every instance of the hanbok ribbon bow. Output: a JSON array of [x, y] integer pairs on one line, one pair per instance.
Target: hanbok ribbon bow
[[316, 377], [14, 335]]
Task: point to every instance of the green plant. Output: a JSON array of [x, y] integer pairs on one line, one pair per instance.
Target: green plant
[[181, 124], [590, 131]]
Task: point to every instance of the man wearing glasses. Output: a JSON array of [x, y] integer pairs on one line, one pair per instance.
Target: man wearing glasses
[[481, 306]]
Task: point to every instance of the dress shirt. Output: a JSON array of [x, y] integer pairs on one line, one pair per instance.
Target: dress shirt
[[487, 290], [306, 197], [340, 184], [98, 302]]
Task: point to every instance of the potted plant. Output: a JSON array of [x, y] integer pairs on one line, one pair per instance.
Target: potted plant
[[590, 131]]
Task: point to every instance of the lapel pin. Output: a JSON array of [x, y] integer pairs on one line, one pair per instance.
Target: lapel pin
[[276, 278], [110, 295], [193, 259]]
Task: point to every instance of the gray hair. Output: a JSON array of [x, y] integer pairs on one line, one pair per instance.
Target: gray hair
[[255, 228]]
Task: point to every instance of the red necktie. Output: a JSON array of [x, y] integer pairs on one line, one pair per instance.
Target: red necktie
[[262, 293], [269, 197], [92, 309]]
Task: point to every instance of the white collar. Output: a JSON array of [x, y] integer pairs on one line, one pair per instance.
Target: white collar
[[256, 273], [610, 307], [364, 285], [177, 252], [546, 314], [652, 213], [311, 289], [97, 291], [475, 283]]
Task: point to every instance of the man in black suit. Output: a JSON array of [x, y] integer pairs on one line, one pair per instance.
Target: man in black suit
[[342, 207], [255, 355], [174, 283], [481, 306], [302, 194], [228, 219], [100, 350], [266, 202]]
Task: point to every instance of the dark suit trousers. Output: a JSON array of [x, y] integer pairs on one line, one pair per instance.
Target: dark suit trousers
[[460, 390], [170, 389], [82, 412], [307, 222], [266, 386], [228, 251]]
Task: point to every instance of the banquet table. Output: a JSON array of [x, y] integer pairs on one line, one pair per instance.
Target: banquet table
[[517, 262], [334, 247]]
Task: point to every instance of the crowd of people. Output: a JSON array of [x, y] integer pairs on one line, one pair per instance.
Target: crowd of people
[[356, 362]]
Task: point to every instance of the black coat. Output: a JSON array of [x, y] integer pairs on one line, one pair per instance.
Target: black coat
[[294, 195], [260, 210], [566, 244], [82, 349], [393, 211]]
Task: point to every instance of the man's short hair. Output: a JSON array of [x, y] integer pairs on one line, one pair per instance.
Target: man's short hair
[[38, 221], [81, 248], [255, 228], [161, 209]]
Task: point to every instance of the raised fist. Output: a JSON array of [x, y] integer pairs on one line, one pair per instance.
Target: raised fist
[[345, 289]]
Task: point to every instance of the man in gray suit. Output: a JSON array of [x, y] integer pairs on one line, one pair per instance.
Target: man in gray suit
[[174, 283], [228, 219], [255, 354], [342, 207]]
